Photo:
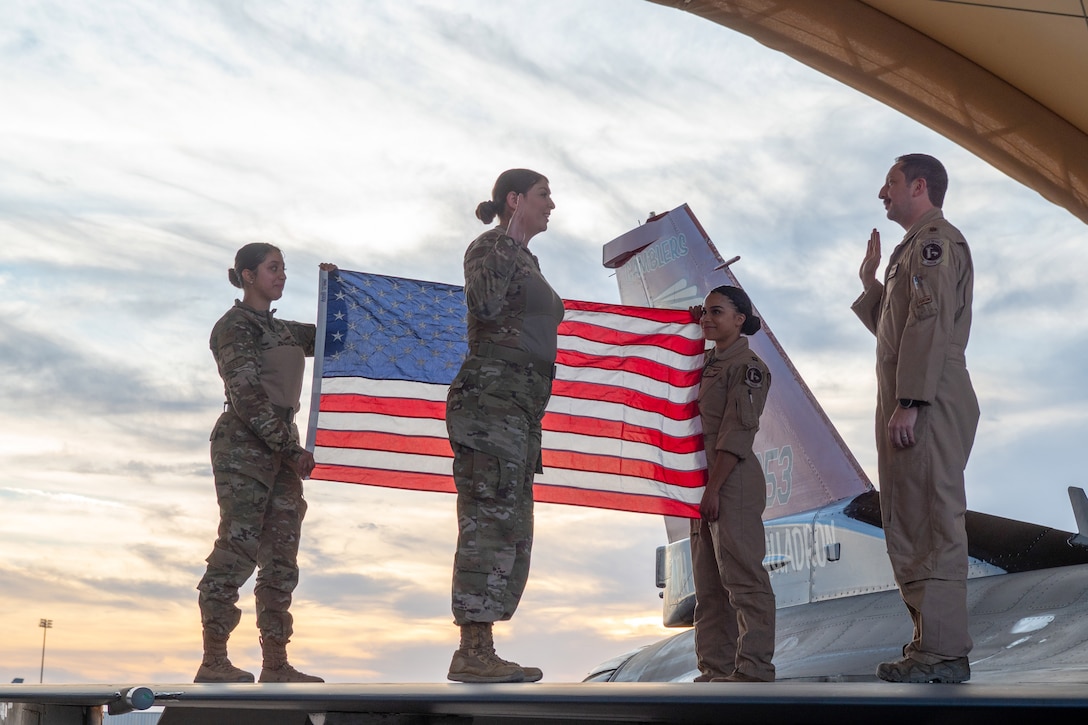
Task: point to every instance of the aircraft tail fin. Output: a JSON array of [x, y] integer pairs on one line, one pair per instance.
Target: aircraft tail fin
[[670, 262]]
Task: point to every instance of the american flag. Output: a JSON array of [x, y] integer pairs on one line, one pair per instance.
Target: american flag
[[621, 430]]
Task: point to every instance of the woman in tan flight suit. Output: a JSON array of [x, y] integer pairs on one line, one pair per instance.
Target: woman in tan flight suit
[[735, 608]]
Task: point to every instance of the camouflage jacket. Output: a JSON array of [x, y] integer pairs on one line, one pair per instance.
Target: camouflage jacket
[[502, 282], [495, 405], [243, 342]]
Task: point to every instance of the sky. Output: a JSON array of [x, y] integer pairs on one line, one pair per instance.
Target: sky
[[142, 143]]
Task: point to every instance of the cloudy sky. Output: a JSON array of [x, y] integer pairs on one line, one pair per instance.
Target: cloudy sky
[[141, 143]]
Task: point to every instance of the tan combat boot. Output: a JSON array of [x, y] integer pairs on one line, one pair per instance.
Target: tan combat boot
[[276, 668], [476, 661], [216, 667], [909, 669], [487, 641]]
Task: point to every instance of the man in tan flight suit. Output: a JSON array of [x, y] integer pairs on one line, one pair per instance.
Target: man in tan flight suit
[[926, 415]]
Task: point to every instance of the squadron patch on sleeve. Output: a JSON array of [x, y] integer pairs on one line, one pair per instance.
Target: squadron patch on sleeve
[[753, 376], [932, 252], [232, 365]]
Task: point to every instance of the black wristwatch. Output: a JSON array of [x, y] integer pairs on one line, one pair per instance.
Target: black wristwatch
[[910, 403]]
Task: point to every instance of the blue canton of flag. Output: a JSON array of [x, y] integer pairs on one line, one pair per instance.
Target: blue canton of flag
[[390, 328]]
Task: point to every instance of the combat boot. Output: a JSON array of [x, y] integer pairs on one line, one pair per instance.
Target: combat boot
[[487, 641], [738, 676], [909, 669], [216, 666], [476, 661], [276, 668]]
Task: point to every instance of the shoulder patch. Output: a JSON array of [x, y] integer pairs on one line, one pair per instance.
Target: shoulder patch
[[232, 365], [932, 252], [753, 376]]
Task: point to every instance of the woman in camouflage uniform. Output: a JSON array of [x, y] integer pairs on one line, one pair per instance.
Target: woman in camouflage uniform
[[258, 465], [493, 415]]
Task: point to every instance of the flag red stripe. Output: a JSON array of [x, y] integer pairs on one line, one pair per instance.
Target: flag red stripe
[[637, 365], [541, 492], [390, 442], [400, 407], [583, 425], [624, 396], [656, 314], [573, 461], [614, 501], [612, 336], [381, 477]]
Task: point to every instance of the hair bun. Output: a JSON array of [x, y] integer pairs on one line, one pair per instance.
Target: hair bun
[[485, 211], [752, 325]]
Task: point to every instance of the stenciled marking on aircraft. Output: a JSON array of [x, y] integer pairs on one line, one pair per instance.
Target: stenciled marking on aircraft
[[777, 464], [788, 546], [659, 254], [1031, 624]]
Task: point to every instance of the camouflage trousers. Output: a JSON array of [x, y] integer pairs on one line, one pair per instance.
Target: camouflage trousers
[[259, 528], [495, 538]]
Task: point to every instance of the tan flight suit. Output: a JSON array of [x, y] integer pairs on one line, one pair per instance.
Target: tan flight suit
[[921, 317], [493, 412], [735, 608]]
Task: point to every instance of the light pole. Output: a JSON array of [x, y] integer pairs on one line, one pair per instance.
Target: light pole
[[45, 624]]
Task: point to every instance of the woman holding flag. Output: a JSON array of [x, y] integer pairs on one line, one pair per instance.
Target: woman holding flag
[[258, 465], [493, 413]]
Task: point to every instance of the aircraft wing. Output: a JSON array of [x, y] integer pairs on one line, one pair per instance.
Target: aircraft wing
[[1028, 628], [562, 703], [1002, 78]]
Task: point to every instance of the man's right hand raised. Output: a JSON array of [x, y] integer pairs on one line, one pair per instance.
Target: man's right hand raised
[[869, 265]]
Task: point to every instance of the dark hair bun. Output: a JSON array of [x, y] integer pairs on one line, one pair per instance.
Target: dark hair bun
[[752, 325], [249, 257], [486, 211]]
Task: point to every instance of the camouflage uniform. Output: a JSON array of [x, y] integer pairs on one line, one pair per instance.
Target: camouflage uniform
[[493, 414], [921, 317], [261, 507], [734, 607]]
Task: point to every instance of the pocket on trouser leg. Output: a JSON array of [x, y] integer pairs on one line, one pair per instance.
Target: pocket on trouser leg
[[488, 521], [487, 514]]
